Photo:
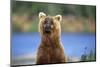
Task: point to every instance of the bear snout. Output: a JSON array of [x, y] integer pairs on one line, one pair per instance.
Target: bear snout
[[47, 28]]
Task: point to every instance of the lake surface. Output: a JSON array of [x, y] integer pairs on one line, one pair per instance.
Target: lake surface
[[75, 44]]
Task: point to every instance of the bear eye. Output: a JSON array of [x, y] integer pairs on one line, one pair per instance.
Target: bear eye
[[45, 21], [52, 22]]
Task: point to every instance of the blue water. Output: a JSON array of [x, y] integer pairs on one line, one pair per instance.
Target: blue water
[[75, 44]]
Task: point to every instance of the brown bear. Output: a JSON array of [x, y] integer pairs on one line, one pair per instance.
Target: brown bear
[[50, 50]]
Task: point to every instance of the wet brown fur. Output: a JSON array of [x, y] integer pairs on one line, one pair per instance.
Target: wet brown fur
[[50, 49]]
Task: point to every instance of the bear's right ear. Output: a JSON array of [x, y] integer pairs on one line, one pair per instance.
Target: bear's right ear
[[42, 15]]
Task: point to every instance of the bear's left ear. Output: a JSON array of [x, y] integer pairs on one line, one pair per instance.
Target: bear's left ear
[[58, 17]]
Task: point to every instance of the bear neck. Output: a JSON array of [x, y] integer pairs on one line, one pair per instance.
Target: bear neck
[[51, 40]]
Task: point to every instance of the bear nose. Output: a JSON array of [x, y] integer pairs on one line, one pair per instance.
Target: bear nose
[[47, 28]]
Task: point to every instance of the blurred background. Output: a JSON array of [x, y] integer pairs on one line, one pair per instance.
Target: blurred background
[[78, 30]]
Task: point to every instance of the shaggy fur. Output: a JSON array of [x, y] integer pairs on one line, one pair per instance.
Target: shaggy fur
[[50, 49]]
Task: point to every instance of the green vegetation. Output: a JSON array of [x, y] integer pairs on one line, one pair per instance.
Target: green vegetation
[[89, 57], [76, 18]]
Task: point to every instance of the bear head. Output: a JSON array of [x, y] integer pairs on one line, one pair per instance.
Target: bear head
[[49, 25]]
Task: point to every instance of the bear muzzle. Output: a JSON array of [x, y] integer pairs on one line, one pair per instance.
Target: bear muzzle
[[47, 28]]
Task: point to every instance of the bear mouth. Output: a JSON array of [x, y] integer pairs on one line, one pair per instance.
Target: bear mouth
[[47, 30]]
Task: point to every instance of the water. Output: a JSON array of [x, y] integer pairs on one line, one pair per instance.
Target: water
[[75, 44]]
